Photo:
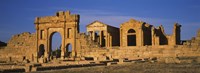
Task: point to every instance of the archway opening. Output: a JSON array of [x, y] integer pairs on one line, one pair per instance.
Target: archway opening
[[69, 50], [41, 51], [55, 44], [97, 36], [131, 37]]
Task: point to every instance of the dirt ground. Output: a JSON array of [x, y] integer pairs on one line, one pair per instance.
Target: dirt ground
[[134, 68]]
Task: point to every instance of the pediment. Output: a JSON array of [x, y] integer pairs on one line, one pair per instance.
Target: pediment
[[96, 24], [132, 23]]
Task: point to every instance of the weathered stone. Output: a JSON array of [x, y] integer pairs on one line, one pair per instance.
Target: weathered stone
[[105, 35], [28, 67], [26, 61], [171, 60], [95, 58], [133, 40], [101, 58], [120, 61], [34, 69], [108, 64], [77, 59]]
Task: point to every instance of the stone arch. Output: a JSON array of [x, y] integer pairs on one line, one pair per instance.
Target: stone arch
[[131, 31], [131, 37], [41, 50], [68, 50], [64, 23], [57, 51]]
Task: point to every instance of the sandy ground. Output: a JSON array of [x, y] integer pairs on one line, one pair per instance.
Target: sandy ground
[[134, 68]]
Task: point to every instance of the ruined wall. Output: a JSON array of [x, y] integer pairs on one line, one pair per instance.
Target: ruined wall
[[114, 33], [20, 46], [133, 53], [177, 33], [189, 49], [175, 37], [195, 41], [84, 44], [146, 28], [159, 37]]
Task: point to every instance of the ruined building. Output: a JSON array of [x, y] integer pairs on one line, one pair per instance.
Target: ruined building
[[105, 35], [137, 33], [132, 40]]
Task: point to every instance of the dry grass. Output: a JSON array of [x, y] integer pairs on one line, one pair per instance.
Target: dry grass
[[134, 68]]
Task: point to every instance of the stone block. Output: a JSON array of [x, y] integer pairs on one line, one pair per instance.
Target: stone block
[[97, 61], [120, 61], [77, 59], [82, 58], [102, 58], [41, 60], [28, 67], [170, 60], [95, 58], [108, 64], [26, 61], [34, 69]]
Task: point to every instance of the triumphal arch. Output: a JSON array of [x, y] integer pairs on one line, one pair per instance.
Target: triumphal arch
[[65, 24]]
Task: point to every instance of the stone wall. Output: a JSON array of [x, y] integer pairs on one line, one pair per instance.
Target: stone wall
[[20, 47], [195, 41], [189, 49], [115, 35], [133, 53]]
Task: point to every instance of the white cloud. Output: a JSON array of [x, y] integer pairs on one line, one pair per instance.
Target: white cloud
[[113, 18]]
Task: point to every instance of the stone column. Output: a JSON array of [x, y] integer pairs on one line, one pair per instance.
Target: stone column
[[37, 47], [107, 40], [110, 41], [139, 37], [93, 35], [90, 33], [47, 45], [142, 39], [63, 45], [100, 38], [73, 53], [153, 36], [121, 44]]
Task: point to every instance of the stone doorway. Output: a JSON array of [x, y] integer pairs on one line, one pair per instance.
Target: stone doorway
[[69, 50], [55, 44], [131, 37], [41, 51]]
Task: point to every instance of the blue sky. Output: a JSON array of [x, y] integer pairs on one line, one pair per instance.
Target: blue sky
[[17, 16]]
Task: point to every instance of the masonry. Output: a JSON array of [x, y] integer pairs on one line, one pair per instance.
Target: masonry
[[20, 47], [132, 40]]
